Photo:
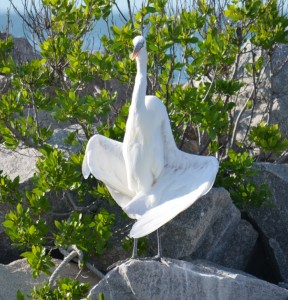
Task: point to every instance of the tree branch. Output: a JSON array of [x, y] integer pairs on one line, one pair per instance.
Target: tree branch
[[20, 137], [130, 13]]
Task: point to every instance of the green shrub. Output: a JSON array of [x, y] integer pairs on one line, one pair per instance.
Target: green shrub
[[199, 44]]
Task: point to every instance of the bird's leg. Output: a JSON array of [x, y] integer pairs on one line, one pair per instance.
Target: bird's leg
[[159, 257], [134, 255], [135, 245], [159, 254], [159, 244]]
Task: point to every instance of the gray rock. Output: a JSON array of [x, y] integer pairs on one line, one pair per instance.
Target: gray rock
[[18, 276], [60, 134], [175, 279], [271, 99], [4, 84], [22, 50], [21, 162], [115, 251], [280, 70], [45, 119], [272, 217], [210, 229], [8, 252]]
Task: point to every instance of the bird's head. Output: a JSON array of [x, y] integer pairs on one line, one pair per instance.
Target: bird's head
[[139, 48]]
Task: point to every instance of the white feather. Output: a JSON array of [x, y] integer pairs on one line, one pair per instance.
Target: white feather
[[85, 168], [180, 184], [161, 214], [103, 158], [147, 175]]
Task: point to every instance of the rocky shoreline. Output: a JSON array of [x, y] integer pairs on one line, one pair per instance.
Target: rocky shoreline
[[212, 249]]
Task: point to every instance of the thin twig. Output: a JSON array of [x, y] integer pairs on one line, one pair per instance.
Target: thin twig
[[19, 136], [245, 106], [119, 10], [66, 260], [98, 273], [91, 207], [204, 147], [130, 13], [20, 15]]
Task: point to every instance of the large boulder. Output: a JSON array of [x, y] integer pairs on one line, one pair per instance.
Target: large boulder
[[174, 279], [210, 229], [18, 276], [22, 52], [60, 134], [8, 252], [279, 91], [22, 162], [271, 218], [271, 98], [114, 251]]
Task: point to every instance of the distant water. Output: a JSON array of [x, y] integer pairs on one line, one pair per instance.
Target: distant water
[[16, 24], [92, 41]]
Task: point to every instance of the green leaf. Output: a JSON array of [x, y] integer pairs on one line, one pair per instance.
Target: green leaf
[[193, 40], [8, 224], [19, 209], [32, 229], [150, 9], [233, 12], [116, 30], [29, 255], [20, 295], [5, 70], [153, 47]]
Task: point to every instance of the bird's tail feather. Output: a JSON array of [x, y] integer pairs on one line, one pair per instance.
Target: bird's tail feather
[[158, 216]]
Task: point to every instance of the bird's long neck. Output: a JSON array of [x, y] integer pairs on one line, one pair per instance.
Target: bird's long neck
[[140, 86]]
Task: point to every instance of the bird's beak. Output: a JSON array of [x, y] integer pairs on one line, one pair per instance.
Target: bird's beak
[[136, 50]]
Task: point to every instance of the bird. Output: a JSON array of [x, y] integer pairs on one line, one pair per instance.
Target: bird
[[146, 174]]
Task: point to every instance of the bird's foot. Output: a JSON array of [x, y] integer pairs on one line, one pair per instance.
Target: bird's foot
[[119, 262], [161, 259], [157, 257]]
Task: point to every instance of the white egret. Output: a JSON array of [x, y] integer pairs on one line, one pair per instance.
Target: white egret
[[147, 175]]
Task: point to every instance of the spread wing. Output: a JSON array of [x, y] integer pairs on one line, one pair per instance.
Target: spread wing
[[103, 158], [175, 190], [184, 179]]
